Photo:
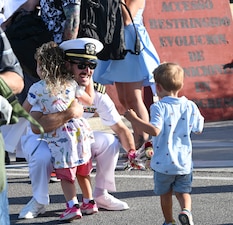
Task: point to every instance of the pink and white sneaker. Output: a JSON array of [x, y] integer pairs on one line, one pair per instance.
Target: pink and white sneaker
[[89, 208], [71, 213]]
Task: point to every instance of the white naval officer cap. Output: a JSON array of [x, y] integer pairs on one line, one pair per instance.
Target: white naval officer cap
[[81, 48]]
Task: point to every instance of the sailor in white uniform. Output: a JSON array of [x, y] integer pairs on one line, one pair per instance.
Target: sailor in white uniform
[[105, 151]]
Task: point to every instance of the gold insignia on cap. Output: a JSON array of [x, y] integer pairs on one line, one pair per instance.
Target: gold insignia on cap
[[90, 49]]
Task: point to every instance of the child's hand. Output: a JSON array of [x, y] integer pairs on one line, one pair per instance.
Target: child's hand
[[133, 162], [76, 109], [130, 114]]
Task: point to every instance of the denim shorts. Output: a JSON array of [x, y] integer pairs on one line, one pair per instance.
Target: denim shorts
[[163, 183]]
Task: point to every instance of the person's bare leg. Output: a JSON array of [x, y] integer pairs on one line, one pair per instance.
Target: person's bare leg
[[69, 190], [166, 205], [85, 185], [184, 200], [89, 205], [130, 96]]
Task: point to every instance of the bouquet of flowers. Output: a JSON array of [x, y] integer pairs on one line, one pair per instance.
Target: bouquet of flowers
[[140, 159]]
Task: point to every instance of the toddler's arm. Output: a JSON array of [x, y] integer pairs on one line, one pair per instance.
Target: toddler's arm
[[145, 126], [87, 96]]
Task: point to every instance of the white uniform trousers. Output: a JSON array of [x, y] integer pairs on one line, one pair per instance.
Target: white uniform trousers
[[40, 166], [105, 151]]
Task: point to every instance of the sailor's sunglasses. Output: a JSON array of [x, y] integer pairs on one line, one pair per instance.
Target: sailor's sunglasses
[[84, 65]]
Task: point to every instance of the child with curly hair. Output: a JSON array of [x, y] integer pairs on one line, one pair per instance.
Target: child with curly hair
[[70, 144]]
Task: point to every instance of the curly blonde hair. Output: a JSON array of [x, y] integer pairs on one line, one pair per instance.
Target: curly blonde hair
[[51, 60]]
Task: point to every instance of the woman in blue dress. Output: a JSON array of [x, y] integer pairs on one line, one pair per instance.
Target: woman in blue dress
[[134, 72]]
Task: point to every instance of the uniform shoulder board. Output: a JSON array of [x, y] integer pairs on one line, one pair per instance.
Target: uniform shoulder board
[[99, 87]]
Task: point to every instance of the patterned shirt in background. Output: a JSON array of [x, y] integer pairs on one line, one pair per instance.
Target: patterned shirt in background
[[53, 15], [176, 118]]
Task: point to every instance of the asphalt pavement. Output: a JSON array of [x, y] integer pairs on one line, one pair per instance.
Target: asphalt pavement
[[211, 195]]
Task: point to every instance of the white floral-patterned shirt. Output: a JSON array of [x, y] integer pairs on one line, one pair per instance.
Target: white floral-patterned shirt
[[70, 144]]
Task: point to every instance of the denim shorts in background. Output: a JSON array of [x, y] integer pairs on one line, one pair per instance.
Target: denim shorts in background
[[163, 183]]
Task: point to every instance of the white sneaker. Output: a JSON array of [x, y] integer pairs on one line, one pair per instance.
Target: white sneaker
[[186, 217], [31, 210], [109, 202]]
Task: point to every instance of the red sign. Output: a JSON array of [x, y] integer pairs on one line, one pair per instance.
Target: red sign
[[198, 35]]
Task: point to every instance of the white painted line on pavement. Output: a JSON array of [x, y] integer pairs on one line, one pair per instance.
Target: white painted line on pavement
[[195, 177], [23, 172], [133, 176], [213, 178], [17, 175], [212, 164]]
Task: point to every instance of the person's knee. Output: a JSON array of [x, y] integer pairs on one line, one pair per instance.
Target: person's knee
[[112, 141], [105, 143], [41, 156], [43, 159], [106, 139]]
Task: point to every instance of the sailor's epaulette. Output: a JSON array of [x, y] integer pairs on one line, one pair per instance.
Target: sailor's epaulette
[[99, 87], [89, 109]]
